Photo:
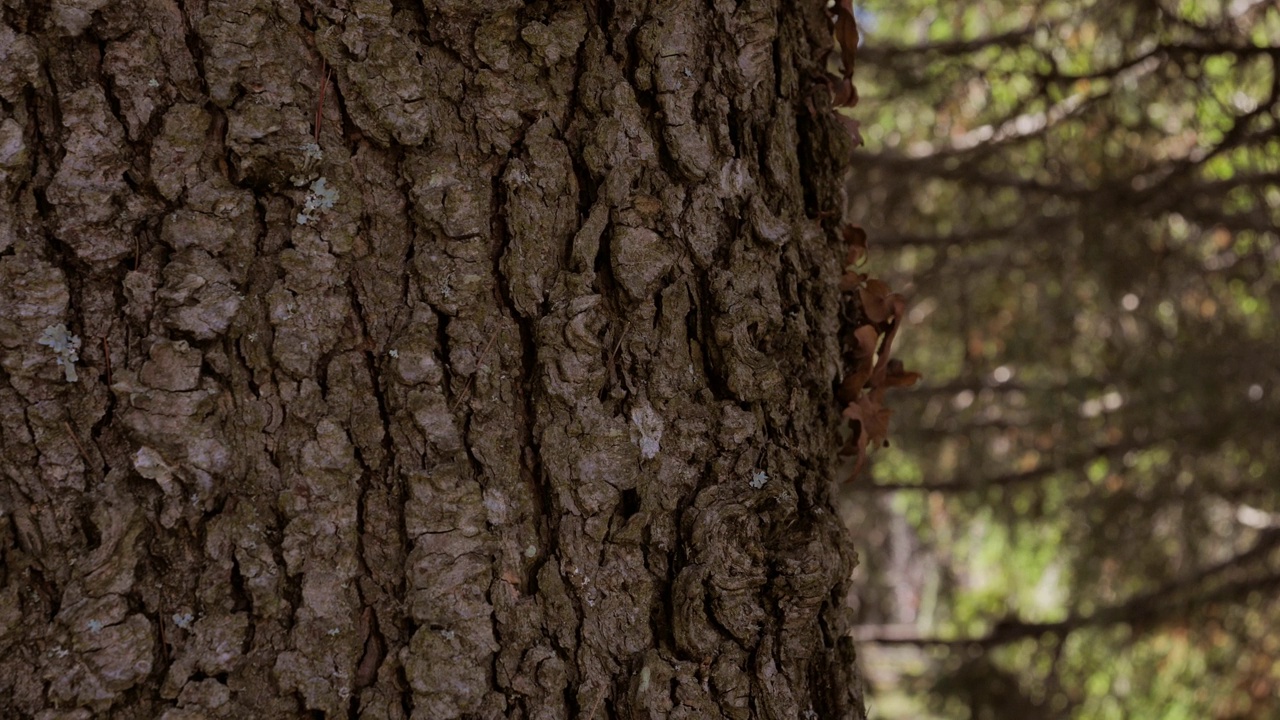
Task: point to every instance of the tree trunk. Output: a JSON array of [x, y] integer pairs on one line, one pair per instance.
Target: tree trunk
[[467, 361]]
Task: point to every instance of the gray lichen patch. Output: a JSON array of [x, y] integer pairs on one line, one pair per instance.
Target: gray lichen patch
[[107, 661], [210, 645], [647, 427], [65, 346], [35, 296], [320, 198], [312, 155]]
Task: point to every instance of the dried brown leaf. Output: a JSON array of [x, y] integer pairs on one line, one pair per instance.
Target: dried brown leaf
[[847, 36], [854, 129], [879, 287], [856, 238], [877, 419], [866, 337], [864, 340], [897, 304], [886, 347], [851, 387], [851, 281], [874, 295], [843, 92], [872, 426], [901, 378]]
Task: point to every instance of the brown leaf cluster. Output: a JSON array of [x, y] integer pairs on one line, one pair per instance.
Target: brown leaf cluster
[[843, 92], [871, 368], [868, 342]]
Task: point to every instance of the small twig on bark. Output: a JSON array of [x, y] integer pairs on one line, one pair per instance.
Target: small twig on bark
[[106, 355], [325, 73], [164, 646], [595, 705], [76, 439], [467, 388], [614, 355]]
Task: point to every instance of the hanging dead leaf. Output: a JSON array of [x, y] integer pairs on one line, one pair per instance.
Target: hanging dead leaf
[[851, 387], [880, 288], [886, 348], [847, 36], [856, 238], [865, 338], [851, 281], [874, 295], [843, 92], [853, 413], [853, 128], [898, 304], [896, 375], [876, 418], [864, 350], [872, 426]]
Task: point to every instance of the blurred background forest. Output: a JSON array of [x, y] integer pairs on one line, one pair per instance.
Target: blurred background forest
[[1079, 514]]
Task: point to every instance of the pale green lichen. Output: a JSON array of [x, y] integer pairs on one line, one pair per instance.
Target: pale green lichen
[[312, 153], [311, 157], [321, 197], [65, 345], [647, 432]]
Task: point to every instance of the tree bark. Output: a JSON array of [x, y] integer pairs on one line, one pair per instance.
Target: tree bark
[[468, 360]]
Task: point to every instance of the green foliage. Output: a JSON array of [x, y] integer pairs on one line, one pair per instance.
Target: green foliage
[[1080, 201]]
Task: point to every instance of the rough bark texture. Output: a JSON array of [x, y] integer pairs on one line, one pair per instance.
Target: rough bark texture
[[509, 397]]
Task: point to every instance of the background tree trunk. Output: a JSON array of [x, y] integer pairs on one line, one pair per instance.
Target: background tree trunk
[[504, 392]]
